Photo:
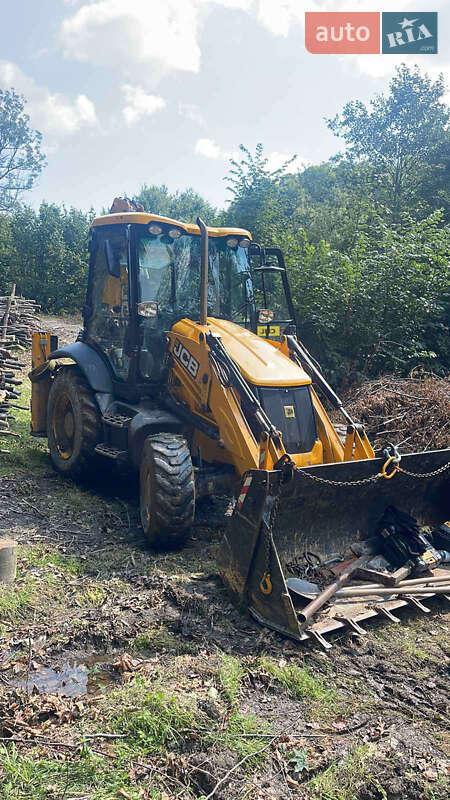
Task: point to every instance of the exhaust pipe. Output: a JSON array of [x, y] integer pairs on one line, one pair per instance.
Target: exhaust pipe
[[204, 272]]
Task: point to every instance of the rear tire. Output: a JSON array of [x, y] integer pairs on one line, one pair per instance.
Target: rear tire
[[167, 490], [73, 423]]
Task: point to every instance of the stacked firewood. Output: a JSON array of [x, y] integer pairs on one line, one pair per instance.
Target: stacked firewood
[[18, 319]]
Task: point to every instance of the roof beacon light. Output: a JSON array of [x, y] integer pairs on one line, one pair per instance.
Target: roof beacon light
[[155, 229]]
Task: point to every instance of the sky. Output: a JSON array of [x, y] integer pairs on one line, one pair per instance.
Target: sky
[[127, 92]]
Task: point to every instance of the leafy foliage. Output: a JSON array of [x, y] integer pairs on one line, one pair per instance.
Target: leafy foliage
[[21, 160], [48, 256], [366, 236], [403, 136], [184, 206]]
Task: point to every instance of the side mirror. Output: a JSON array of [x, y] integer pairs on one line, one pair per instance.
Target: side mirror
[[148, 309], [265, 316], [112, 262]]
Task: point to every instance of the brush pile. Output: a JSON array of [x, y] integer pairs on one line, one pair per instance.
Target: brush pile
[[18, 319], [412, 413]]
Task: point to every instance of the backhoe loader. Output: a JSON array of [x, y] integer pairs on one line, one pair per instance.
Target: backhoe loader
[[189, 370]]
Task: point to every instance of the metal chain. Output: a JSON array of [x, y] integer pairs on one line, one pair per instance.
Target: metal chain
[[425, 474], [374, 478], [269, 534], [265, 584]]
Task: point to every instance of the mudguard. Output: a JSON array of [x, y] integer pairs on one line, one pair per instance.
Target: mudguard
[[90, 363]]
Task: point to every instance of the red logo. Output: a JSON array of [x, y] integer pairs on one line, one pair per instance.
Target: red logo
[[340, 32]]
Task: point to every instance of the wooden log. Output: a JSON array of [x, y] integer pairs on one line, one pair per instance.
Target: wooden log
[[8, 307], [8, 560]]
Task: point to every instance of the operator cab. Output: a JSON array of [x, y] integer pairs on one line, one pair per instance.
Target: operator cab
[[145, 275]]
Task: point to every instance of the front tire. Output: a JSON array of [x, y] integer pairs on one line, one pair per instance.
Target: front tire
[[167, 490], [73, 423]]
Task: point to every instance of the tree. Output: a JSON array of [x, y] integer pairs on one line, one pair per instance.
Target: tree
[[185, 206], [257, 203], [52, 255], [8, 256], [21, 160], [401, 136], [382, 306]]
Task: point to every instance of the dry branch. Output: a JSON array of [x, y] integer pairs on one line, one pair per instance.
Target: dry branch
[[419, 404]]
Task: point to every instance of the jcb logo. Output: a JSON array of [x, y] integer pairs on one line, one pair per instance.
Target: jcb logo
[[185, 358]]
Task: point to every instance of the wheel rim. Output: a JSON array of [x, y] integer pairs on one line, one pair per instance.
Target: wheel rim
[[64, 426]]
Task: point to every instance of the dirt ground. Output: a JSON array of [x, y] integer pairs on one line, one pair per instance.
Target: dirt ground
[[127, 673]]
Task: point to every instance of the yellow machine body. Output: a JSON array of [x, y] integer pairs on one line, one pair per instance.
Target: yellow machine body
[[262, 362]]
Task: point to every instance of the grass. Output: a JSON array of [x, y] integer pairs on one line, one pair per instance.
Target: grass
[[41, 556], [230, 677], [242, 736], [26, 451], [299, 682], [155, 722], [414, 643], [26, 777], [344, 780], [14, 601], [159, 638]]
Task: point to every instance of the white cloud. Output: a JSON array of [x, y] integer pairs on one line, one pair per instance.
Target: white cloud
[[275, 160], [53, 114], [162, 36], [139, 103], [192, 112], [126, 35], [209, 149]]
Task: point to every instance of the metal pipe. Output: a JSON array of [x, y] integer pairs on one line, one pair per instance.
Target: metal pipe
[[382, 591], [424, 581], [204, 272], [441, 588], [306, 613]]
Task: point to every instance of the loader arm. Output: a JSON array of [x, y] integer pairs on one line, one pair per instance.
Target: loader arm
[[210, 390]]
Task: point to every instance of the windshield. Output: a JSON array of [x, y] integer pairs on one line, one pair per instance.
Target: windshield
[[169, 274]]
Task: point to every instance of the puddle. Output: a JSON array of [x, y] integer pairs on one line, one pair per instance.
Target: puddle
[[71, 679]]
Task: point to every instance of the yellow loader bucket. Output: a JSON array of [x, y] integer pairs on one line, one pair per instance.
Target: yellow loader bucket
[[322, 509]]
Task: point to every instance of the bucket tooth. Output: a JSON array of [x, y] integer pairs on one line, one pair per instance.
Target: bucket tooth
[[319, 638], [385, 611], [414, 601], [352, 623]]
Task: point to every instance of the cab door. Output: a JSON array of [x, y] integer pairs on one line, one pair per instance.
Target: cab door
[[107, 322]]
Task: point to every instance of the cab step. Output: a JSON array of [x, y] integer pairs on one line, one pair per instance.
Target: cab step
[[114, 453], [116, 420]]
